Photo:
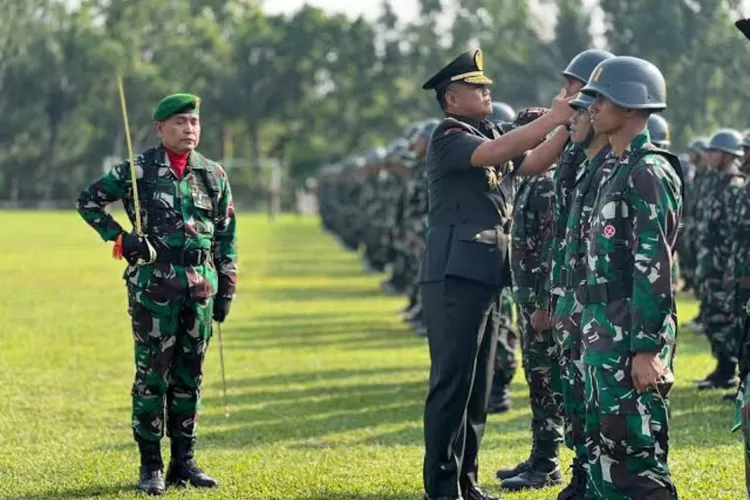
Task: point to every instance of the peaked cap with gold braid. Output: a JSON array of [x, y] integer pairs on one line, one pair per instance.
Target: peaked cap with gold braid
[[467, 68]]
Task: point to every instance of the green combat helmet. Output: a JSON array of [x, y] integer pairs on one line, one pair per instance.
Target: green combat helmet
[[582, 65], [583, 101], [502, 112], [728, 141], [658, 130], [699, 144], [629, 82]]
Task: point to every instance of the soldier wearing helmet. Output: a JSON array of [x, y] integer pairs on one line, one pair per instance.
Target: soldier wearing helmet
[[502, 112], [724, 152], [542, 467], [658, 131], [629, 318]]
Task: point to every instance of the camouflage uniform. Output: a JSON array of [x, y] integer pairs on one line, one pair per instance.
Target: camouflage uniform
[[629, 308], [566, 318], [415, 221], [564, 180], [170, 302], [702, 187], [530, 235], [507, 339], [740, 269], [715, 252], [372, 208]]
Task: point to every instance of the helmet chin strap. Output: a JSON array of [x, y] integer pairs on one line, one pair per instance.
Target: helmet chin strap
[[589, 137]]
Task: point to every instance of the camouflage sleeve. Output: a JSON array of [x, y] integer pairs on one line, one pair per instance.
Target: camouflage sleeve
[[112, 186], [724, 255], [543, 285], [703, 264], [657, 204], [741, 237], [225, 239]]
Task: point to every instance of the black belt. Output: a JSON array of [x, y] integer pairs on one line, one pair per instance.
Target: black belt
[[602, 292], [183, 257]]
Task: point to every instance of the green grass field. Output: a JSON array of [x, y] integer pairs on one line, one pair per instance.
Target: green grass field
[[325, 385]]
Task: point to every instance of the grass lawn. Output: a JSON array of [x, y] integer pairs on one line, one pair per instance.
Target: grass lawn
[[325, 385]]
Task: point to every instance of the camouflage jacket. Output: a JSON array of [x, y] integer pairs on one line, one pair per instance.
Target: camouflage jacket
[[704, 185], [564, 179], [586, 187], [716, 235], [415, 202], [629, 304], [740, 251], [176, 214], [530, 236]]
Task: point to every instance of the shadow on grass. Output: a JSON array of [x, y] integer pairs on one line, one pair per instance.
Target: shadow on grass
[[91, 491], [329, 329]]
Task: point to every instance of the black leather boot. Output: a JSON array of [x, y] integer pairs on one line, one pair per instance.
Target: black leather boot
[[724, 377], [183, 469], [151, 480], [540, 474], [499, 400], [514, 471], [576, 490]]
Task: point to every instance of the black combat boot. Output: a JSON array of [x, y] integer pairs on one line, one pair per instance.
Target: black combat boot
[[522, 467], [474, 493], [151, 480], [576, 490], [544, 470], [183, 469], [724, 377], [499, 399]]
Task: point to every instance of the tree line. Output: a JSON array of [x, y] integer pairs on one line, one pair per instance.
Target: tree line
[[309, 88]]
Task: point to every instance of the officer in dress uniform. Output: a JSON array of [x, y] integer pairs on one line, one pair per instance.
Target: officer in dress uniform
[[472, 172]]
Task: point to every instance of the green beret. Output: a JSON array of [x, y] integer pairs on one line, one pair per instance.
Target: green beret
[[176, 103]]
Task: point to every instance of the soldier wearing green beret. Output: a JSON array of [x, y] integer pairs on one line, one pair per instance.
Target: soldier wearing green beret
[[181, 274]]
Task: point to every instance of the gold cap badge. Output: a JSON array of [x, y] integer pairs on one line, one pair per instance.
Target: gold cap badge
[[479, 60]]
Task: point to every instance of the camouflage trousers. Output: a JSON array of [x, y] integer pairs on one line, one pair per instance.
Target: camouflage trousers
[[626, 436], [566, 326], [507, 338], [742, 420], [720, 319], [687, 254], [171, 340], [541, 366]]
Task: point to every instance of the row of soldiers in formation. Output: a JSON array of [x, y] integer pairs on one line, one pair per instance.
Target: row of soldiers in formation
[[378, 203]]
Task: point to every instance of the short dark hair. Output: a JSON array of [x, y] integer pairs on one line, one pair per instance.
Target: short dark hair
[[440, 95]]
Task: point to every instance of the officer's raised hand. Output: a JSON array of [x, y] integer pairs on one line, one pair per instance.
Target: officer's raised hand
[[561, 110], [221, 308]]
